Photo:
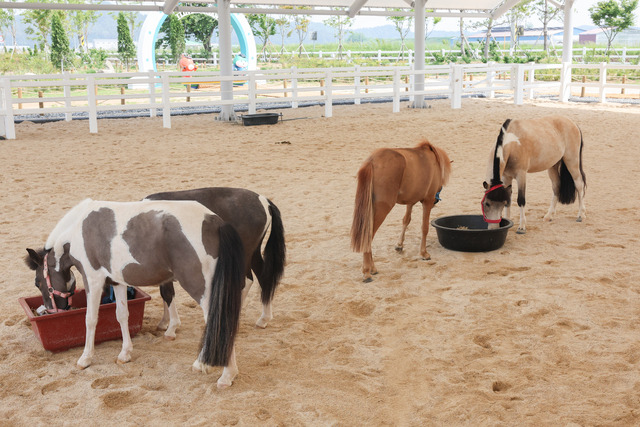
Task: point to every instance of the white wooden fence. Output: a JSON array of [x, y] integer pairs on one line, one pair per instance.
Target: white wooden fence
[[94, 94]]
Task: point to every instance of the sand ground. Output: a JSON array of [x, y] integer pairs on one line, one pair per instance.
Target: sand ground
[[543, 331]]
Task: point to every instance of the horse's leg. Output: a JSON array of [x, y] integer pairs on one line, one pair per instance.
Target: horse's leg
[[229, 372], [574, 170], [405, 223], [171, 319], [521, 178], [554, 176], [507, 182], [380, 212], [94, 292], [427, 205], [122, 314]]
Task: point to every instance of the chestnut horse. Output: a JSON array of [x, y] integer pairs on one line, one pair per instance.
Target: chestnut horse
[[551, 143], [388, 177]]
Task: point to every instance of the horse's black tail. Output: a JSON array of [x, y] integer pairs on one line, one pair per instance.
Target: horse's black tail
[[275, 253], [567, 193], [225, 300]]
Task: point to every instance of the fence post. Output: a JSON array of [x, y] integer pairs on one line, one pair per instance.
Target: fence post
[[603, 81], [40, 95], [455, 76], [284, 86], [531, 80], [624, 55], [253, 92], [294, 87], [624, 81], [166, 100], [188, 91], [379, 56], [396, 90], [356, 83], [583, 90], [66, 89], [122, 102], [93, 108], [328, 104], [517, 83], [20, 97], [491, 75], [152, 94], [7, 125]]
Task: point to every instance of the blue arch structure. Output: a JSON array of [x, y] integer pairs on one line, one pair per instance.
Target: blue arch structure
[[146, 52]]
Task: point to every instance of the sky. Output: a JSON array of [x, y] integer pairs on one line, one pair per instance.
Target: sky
[[580, 17]]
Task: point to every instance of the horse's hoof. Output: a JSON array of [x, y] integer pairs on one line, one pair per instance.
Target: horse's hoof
[[223, 385], [367, 280], [520, 231], [262, 323], [169, 338], [82, 368], [579, 219], [399, 248], [121, 362]]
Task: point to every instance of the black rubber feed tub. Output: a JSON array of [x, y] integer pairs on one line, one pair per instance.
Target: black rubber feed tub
[[260, 119], [469, 233]]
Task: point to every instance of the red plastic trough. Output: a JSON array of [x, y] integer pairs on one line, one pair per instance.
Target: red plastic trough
[[61, 331]]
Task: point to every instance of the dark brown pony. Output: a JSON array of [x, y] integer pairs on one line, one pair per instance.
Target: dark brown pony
[[388, 177]]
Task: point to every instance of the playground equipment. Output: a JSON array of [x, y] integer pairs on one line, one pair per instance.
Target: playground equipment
[[146, 53]]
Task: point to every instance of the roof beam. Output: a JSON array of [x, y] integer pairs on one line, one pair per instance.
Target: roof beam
[[169, 5], [355, 7], [504, 8]]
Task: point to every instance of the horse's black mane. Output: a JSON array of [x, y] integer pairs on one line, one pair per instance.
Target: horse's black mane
[[496, 160]]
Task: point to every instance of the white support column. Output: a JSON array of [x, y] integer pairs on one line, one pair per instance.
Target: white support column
[[396, 90], [226, 66], [420, 25], [531, 80], [565, 82], [567, 38], [517, 82]]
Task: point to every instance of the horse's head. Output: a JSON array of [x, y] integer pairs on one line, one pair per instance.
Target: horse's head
[[56, 282], [496, 197]]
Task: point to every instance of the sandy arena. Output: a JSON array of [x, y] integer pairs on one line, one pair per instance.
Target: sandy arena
[[544, 331]]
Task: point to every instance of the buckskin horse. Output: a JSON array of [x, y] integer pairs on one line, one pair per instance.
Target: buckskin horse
[[551, 143], [147, 243], [388, 177], [252, 215]]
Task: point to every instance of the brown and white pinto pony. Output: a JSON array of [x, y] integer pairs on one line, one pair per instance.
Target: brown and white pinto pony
[[388, 177], [551, 143], [252, 215], [148, 243]]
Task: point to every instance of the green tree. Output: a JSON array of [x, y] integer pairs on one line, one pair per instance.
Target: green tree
[[340, 25], [81, 22], [126, 48], [200, 27], [7, 21], [284, 28], [612, 17], [403, 26], [263, 27], [546, 13], [38, 24], [301, 26], [60, 52], [177, 41]]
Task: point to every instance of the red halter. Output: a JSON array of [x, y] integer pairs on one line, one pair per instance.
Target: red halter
[[484, 216], [52, 292]]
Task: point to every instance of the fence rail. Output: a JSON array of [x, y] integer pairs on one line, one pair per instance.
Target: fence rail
[[89, 95]]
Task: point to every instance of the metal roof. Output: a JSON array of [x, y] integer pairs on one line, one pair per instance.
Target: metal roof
[[479, 9]]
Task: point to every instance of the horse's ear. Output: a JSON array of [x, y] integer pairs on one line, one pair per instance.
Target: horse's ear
[[33, 259], [485, 185]]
